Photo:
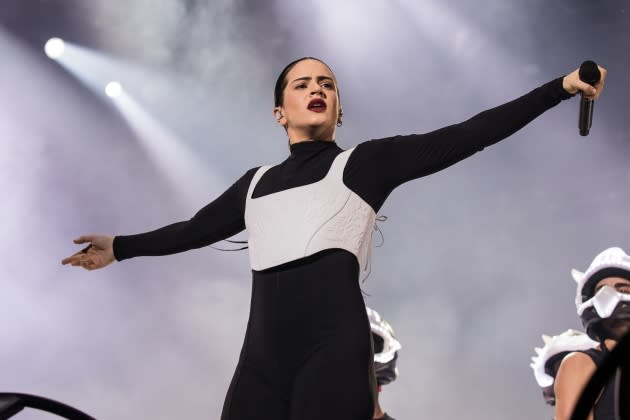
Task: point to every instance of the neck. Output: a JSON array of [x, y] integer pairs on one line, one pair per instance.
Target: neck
[[610, 344], [317, 133]]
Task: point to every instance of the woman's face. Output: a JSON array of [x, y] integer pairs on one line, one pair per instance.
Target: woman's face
[[310, 107]]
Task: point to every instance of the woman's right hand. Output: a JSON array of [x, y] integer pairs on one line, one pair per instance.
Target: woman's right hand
[[98, 254], [572, 84]]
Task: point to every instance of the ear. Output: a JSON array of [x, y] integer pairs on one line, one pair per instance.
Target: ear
[[340, 116], [278, 115]]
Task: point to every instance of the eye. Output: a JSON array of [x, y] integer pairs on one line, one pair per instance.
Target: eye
[[300, 86], [327, 85], [623, 288]]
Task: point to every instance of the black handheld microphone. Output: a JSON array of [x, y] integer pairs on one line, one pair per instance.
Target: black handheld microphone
[[589, 73]]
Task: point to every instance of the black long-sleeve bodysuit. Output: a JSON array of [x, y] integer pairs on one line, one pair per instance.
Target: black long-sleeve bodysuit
[[307, 351]]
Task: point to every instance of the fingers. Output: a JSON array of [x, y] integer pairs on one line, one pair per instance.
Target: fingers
[[83, 239], [599, 86], [588, 90], [79, 260], [602, 72], [74, 258]]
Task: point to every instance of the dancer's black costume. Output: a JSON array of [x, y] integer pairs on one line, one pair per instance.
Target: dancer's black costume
[[604, 408], [307, 351]]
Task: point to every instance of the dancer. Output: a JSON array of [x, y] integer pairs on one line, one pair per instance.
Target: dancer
[[603, 305], [386, 348], [547, 360], [309, 221]]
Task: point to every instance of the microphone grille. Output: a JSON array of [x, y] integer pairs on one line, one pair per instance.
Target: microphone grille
[[589, 72]]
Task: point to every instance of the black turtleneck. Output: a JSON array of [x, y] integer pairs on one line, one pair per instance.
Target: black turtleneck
[[373, 170]]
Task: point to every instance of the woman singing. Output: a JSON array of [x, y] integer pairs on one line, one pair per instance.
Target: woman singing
[[307, 352]]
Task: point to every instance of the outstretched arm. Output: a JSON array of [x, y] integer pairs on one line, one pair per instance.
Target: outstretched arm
[[218, 220], [376, 167]]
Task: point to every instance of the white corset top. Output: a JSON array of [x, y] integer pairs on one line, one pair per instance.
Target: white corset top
[[301, 221]]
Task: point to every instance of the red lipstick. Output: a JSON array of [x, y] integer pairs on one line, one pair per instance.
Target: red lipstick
[[317, 105]]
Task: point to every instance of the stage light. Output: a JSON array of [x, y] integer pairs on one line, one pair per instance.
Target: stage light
[[113, 89], [54, 48]]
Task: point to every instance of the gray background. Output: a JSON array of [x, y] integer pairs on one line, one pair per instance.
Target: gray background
[[476, 259]]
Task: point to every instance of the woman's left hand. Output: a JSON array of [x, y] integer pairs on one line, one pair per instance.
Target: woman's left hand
[[98, 254], [572, 84]]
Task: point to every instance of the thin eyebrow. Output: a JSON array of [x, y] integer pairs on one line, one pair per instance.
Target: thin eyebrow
[[308, 78]]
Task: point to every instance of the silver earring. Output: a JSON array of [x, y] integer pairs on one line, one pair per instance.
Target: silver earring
[[339, 123]]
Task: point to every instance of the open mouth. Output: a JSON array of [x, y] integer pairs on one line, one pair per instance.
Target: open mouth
[[317, 105]]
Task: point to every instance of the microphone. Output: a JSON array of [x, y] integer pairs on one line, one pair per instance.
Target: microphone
[[589, 73]]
